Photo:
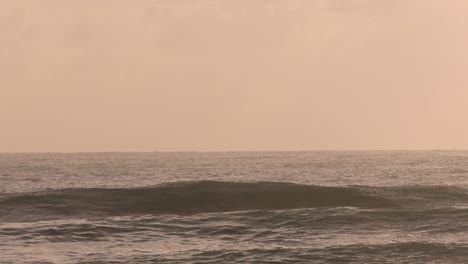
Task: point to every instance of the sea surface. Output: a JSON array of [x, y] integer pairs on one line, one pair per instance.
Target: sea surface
[[235, 207]]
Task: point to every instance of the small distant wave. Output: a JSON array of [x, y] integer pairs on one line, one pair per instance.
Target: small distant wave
[[211, 196]]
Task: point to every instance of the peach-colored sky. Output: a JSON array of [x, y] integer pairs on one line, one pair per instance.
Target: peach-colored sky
[[167, 75]]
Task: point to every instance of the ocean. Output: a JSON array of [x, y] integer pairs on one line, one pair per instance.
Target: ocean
[[235, 207]]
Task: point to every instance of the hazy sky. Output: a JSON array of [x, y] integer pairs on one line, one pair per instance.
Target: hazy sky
[[167, 75]]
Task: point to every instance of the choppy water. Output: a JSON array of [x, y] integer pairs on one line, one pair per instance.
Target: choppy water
[[237, 207]]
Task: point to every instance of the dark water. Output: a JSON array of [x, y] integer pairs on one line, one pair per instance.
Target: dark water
[[252, 207]]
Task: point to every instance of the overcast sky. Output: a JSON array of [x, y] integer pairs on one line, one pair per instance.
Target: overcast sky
[[169, 75]]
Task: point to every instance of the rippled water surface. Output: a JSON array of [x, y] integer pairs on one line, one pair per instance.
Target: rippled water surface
[[235, 207]]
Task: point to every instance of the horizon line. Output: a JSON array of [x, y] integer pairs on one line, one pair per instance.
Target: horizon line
[[230, 151]]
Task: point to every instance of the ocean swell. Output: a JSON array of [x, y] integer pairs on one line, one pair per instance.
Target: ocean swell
[[210, 196]]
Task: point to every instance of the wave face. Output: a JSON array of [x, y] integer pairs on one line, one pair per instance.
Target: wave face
[[211, 196]]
